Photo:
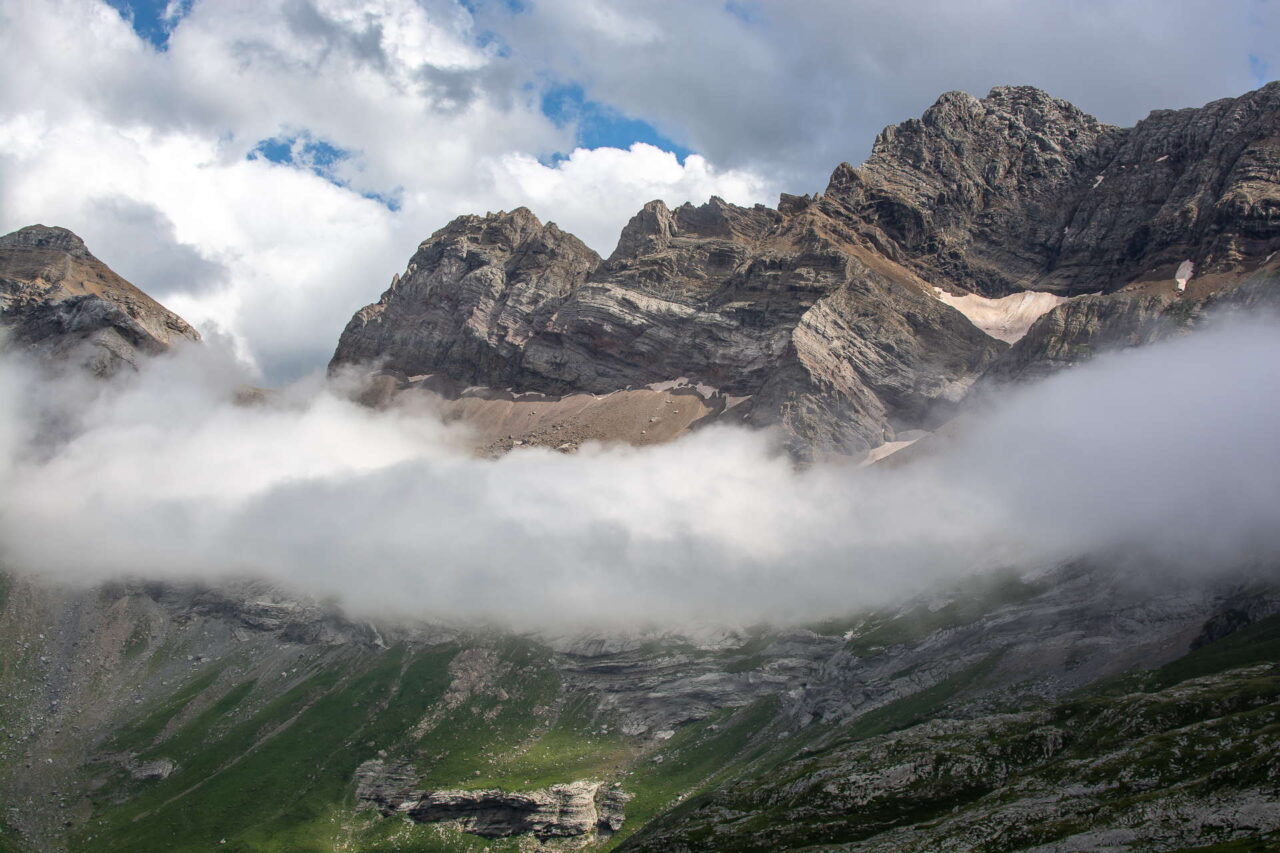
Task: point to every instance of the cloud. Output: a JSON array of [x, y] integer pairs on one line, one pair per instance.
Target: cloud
[[380, 104], [590, 180], [794, 88], [1165, 457], [158, 262], [440, 108]]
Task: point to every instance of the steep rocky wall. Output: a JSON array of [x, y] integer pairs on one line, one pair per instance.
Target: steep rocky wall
[[58, 300], [1021, 191], [824, 315], [838, 347]]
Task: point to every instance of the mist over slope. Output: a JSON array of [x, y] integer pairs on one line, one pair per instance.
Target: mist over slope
[[1165, 454], [321, 617]]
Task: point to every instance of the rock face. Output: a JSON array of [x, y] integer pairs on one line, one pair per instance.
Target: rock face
[[828, 340], [58, 300], [1087, 325], [823, 317], [161, 768], [560, 811], [568, 810], [471, 299], [1021, 191]]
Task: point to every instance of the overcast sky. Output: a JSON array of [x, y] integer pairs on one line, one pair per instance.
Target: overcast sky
[[265, 166]]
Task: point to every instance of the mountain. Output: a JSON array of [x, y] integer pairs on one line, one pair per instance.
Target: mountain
[[865, 314], [1067, 711], [772, 312], [58, 300], [1045, 708]]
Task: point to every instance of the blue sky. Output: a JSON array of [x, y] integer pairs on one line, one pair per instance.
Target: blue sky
[[596, 124], [1260, 69], [149, 20], [599, 125]]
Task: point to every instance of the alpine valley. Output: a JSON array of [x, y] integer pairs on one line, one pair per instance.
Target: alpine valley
[[988, 244]]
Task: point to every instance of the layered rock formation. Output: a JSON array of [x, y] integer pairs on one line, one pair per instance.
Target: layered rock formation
[[828, 340], [1070, 708], [58, 300], [867, 311], [570, 810], [1021, 191]]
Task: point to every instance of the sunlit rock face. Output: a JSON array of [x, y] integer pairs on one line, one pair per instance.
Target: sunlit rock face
[[57, 299], [869, 311], [777, 314], [1021, 191]]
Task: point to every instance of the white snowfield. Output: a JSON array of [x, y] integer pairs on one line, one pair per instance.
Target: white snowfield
[[1007, 318], [1185, 270]]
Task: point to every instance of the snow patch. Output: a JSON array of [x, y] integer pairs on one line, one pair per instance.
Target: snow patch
[[1162, 158], [1007, 318], [1186, 269], [707, 391], [904, 440], [1098, 180]]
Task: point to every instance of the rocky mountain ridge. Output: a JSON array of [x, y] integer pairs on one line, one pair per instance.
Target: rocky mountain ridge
[[1047, 708], [871, 309], [60, 302]]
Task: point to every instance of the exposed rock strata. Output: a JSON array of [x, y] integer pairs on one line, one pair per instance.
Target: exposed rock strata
[[823, 315], [568, 810], [58, 300], [1020, 191], [832, 343], [560, 811]]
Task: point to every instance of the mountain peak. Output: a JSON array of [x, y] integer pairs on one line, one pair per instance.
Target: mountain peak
[[57, 299], [46, 237]]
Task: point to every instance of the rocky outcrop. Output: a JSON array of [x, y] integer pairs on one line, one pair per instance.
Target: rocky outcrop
[[969, 195], [1021, 191], [259, 607], [1179, 768], [1082, 327], [823, 318], [472, 297], [59, 301], [386, 785], [830, 342], [569, 810], [1087, 325], [560, 811], [161, 768]]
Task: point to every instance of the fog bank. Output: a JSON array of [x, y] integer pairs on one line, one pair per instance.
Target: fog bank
[[1167, 454]]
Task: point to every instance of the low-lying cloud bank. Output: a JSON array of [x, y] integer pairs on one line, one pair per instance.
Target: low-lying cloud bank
[[1168, 455]]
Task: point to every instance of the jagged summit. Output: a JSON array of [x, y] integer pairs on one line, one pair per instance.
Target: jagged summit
[[46, 237], [746, 301], [58, 300], [849, 317], [1020, 191], [1105, 702]]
